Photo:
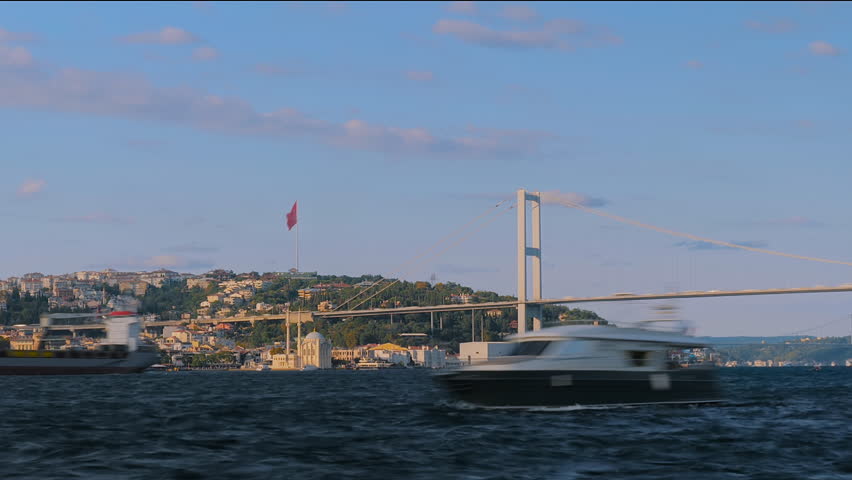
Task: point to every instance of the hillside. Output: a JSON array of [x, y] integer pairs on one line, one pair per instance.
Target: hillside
[[271, 293]]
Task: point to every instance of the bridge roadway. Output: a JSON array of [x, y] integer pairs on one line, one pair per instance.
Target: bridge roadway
[[619, 297]]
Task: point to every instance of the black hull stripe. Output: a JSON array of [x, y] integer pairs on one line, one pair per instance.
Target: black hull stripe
[[568, 388], [594, 406]]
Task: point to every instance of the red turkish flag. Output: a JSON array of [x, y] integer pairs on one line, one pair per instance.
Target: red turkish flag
[[291, 217]]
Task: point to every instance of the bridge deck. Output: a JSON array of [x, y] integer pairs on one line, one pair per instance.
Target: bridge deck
[[568, 300], [308, 316]]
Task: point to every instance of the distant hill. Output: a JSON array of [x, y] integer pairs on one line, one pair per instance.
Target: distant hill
[[752, 340], [792, 350]]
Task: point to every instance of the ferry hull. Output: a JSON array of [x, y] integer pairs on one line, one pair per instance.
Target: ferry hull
[[552, 388], [134, 362]]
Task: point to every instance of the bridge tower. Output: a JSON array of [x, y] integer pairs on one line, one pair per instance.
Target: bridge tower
[[525, 311]]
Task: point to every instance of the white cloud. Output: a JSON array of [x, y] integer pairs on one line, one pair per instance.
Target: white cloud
[[420, 76], [776, 26], [823, 48], [521, 13], [159, 261], [7, 36], [31, 187], [552, 197], [205, 53], [694, 64], [166, 36], [135, 97], [569, 198], [553, 34], [15, 57], [462, 7]]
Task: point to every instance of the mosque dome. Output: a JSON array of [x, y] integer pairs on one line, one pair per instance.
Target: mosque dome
[[314, 335]]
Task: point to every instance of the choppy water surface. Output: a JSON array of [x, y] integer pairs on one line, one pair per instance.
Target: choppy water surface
[[779, 423]]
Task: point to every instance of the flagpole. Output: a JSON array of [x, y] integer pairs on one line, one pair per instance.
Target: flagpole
[[297, 246]]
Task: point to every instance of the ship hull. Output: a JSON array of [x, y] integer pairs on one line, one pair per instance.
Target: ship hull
[[44, 363], [554, 388]]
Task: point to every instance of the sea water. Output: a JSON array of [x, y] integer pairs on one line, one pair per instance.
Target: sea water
[[777, 423]]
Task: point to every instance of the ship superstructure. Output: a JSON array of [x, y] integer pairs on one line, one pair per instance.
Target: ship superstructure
[[120, 352]]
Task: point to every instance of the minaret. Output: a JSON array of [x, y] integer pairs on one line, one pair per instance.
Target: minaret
[[287, 350], [299, 341]]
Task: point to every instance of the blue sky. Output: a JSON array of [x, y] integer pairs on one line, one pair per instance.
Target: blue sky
[[138, 136]]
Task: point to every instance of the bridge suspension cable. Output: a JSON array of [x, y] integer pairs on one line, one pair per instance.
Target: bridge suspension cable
[[655, 228], [831, 322], [401, 267], [462, 239]]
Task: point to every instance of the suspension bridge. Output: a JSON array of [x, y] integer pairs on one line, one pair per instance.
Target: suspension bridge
[[529, 307]]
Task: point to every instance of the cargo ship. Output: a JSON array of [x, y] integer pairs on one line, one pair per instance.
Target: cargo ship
[[121, 352]]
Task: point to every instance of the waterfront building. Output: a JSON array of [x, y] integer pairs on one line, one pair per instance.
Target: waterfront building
[[428, 357], [285, 361], [26, 342], [349, 355], [476, 352], [343, 355], [316, 351], [392, 353]]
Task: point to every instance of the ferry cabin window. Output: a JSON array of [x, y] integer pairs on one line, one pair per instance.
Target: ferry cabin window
[[638, 358], [530, 348], [573, 348]]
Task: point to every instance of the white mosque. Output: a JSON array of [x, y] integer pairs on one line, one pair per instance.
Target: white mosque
[[312, 351]]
